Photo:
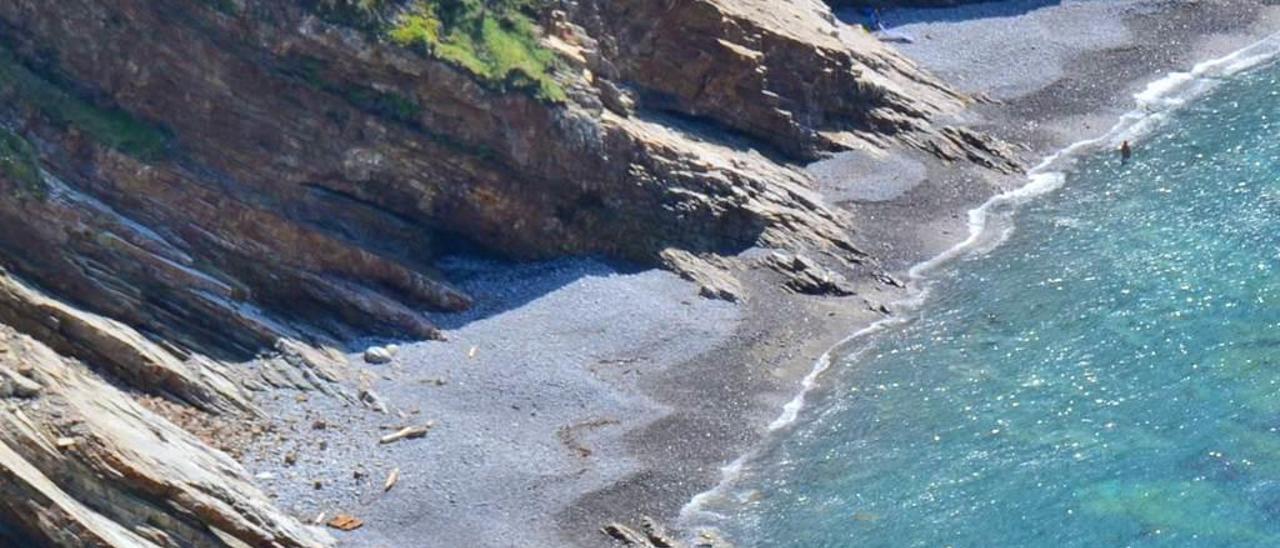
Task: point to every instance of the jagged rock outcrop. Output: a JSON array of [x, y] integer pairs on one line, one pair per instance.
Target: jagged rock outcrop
[[781, 72], [83, 464], [189, 185], [654, 535]]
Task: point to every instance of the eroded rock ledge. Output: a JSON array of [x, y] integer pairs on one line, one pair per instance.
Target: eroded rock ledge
[[190, 185]]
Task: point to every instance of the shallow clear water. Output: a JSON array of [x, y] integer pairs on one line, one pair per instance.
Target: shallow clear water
[[1110, 376]]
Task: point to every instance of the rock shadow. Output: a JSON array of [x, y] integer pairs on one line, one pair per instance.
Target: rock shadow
[[933, 12]]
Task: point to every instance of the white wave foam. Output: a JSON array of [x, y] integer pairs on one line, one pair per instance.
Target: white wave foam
[[1154, 104]]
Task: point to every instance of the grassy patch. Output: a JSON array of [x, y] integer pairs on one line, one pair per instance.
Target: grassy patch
[[497, 43], [18, 164], [494, 40], [112, 127]]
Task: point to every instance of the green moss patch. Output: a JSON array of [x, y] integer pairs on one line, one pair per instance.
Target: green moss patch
[[19, 165], [494, 40], [387, 104], [109, 126]]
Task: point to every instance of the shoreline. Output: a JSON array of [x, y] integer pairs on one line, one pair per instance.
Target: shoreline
[[1160, 98], [581, 393], [942, 222]]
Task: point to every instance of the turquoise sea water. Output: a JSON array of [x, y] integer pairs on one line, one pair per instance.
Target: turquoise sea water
[[1109, 376]]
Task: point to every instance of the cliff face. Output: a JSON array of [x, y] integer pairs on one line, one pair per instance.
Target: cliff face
[[186, 185], [781, 73]]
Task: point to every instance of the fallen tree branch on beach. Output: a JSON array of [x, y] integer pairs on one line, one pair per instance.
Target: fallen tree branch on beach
[[408, 433]]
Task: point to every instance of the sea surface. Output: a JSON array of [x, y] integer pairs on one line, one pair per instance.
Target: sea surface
[[1108, 376]]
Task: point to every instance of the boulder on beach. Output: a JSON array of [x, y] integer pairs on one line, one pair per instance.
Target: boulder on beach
[[377, 355]]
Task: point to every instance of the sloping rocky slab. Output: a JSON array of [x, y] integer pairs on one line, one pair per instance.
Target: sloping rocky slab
[[84, 464]]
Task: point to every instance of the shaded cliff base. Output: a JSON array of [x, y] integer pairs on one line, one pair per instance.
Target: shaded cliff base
[[580, 393]]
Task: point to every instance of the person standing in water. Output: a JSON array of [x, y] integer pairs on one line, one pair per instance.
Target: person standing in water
[[1126, 152]]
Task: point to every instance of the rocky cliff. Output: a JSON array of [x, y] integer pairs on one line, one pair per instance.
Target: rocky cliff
[[200, 199]]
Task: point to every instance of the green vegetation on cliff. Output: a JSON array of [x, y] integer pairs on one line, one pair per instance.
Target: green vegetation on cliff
[[18, 163], [387, 104], [497, 44], [494, 40], [109, 126]]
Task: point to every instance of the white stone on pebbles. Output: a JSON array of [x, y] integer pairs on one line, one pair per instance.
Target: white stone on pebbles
[[377, 355]]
